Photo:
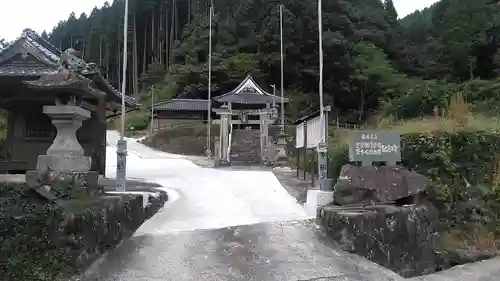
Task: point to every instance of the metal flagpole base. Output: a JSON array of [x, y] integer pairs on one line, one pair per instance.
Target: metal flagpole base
[[324, 182], [121, 165]]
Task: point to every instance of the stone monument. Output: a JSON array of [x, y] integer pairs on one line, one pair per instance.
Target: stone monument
[[281, 158], [374, 146], [382, 208], [65, 162]]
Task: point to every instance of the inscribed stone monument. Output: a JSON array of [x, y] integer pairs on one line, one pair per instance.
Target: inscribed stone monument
[[374, 146]]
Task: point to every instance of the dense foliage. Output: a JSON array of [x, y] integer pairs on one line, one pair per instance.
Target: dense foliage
[[467, 182], [372, 60], [45, 241]]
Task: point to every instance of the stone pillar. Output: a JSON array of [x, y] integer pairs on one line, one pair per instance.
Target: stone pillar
[[65, 161], [65, 154], [224, 136], [281, 157], [262, 138]]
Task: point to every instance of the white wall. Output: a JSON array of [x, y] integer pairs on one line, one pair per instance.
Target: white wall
[[314, 133]]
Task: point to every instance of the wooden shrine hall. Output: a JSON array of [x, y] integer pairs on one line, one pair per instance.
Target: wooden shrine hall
[[246, 116], [30, 78]]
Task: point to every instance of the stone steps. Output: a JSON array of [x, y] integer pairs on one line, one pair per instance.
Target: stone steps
[[245, 147]]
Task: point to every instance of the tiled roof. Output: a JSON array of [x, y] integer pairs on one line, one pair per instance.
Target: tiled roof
[[248, 92], [45, 64], [10, 70], [59, 79], [30, 43], [182, 104], [249, 98], [109, 89]]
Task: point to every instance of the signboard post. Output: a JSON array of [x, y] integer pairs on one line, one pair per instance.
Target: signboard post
[[375, 146]]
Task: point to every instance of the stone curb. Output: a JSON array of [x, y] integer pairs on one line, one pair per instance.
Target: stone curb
[[154, 203]]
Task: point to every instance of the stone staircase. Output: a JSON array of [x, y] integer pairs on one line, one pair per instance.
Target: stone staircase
[[245, 147]]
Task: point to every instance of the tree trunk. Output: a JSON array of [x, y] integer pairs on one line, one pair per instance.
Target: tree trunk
[[189, 11], [100, 54], [167, 46], [135, 74], [171, 41], [153, 51], [158, 38], [362, 102], [176, 22], [145, 49]]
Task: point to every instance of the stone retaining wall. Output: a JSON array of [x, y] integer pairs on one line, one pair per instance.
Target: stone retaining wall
[[41, 240], [398, 238]]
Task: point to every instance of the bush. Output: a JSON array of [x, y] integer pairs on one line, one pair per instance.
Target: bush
[[134, 121], [190, 140], [450, 160], [44, 241], [462, 165], [27, 236]]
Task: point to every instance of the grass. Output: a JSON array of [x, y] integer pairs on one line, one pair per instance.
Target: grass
[[472, 123], [479, 240], [457, 117]]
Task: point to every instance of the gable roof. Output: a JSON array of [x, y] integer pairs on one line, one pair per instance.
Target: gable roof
[[32, 56], [248, 92], [42, 56], [181, 105]]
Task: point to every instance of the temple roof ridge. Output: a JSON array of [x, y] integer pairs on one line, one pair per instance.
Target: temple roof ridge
[[248, 92], [32, 43], [53, 68]]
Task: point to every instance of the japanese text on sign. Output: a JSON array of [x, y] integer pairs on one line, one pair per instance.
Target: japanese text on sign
[[374, 146]]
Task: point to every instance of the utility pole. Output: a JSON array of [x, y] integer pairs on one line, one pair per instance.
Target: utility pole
[[121, 151], [282, 87], [322, 145], [209, 111]]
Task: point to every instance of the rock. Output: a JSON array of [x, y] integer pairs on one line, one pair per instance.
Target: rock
[[450, 258], [401, 239], [377, 184]]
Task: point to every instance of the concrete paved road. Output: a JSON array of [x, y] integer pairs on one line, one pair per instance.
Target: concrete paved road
[[206, 198], [199, 234], [225, 225], [264, 252]]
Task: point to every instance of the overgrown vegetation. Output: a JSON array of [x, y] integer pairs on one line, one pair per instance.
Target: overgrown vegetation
[[432, 76], [186, 139], [373, 62], [460, 153], [41, 240]]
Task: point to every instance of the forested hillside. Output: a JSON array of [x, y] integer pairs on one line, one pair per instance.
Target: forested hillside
[[373, 62]]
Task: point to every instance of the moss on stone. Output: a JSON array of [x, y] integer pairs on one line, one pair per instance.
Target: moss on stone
[[42, 240]]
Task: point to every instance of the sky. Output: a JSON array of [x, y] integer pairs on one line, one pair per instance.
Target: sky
[[36, 15]]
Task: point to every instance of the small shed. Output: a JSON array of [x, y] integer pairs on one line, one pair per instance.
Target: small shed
[[30, 78]]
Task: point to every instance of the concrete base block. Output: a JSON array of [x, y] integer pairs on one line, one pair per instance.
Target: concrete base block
[[80, 182], [317, 198], [63, 163]]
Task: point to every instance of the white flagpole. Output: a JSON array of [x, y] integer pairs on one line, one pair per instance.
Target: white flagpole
[[321, 106], [121, 165], [209, 112], [324, 183], [282, 87]]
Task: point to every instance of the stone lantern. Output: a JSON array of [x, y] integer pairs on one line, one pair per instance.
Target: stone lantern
[[65, 161]]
